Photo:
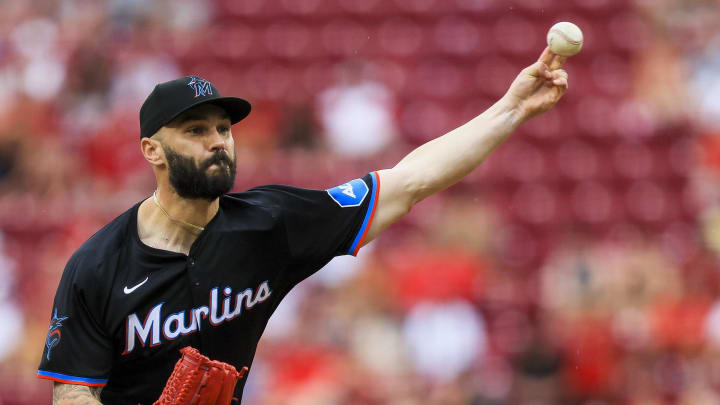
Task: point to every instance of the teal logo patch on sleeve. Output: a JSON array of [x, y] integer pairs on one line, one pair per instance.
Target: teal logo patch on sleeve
[[350, 194]]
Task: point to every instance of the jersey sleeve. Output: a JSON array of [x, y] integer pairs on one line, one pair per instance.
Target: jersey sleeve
[[322, 224], [77, 349]]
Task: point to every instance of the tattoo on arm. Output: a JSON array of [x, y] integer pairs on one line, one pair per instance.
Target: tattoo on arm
[[71, 394]]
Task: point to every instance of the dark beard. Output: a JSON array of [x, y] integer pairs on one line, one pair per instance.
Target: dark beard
[[193, 182]]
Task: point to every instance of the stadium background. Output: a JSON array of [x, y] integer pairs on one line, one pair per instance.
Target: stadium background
[[578, 265]]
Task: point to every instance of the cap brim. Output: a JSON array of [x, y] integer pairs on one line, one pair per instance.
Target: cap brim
[[237, 108]]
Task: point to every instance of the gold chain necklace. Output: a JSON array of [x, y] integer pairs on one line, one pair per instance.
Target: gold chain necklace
[[200, 228]]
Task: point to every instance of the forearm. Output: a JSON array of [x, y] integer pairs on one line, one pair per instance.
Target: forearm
[[70, 394], [442, 162]]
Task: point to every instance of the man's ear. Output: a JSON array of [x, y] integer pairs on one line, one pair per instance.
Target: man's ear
[[152, 150]]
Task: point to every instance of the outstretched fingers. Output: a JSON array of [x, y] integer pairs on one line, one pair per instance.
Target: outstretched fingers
[[551, 59], [546, 56], [557, 62]]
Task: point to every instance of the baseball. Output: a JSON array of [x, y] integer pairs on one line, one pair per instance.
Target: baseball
[[565, 39]]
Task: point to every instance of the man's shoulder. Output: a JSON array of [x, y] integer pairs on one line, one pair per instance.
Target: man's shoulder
[[263, 207], [269, 197], [106, 243], [251, 208]]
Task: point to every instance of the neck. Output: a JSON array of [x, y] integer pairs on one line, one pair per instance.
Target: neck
[[197, 212], [177, 230]]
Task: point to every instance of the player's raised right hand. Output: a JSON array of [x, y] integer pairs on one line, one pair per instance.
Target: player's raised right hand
[[539, 86]]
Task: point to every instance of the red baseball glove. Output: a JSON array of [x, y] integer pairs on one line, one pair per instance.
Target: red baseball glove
[[197, 380]]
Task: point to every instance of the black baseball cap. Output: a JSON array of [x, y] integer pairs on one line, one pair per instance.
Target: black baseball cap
[[170, 99]]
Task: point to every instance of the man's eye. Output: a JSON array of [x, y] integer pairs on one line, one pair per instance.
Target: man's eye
[[196, 130], [224, 130]]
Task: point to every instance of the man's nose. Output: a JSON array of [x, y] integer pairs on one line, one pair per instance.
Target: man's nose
[[217, 141]]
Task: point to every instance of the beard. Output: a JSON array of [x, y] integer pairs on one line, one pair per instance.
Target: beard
[[194, 182]]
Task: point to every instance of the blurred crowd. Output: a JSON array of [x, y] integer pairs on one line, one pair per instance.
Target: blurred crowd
[[577, 266]]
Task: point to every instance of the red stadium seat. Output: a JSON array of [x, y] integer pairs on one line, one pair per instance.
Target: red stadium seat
[[522, 161], [611, 74], [478, 6], [680, 156], [317, 77], [634, 121], [594, 116], [549, 125], [633, 160], [517, 36], [288, 39], [438, 78], [304, 7], [494, 74], [592, 202], [369, 7], [249, 8], [544, 6], [344, 37], [400, 37], [457, 35], [394, 75], [647, 201], [535, 203], [577, 160], [427, 7], [422, 120], [517, 246], [691, 203], [266, 81], [580, 82], [629, 32], [598, 7], [234, 42]]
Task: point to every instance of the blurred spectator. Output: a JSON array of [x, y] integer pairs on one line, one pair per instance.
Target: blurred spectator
[[357, 112], [539, 368], [298, 129], [11, 316], [445, 338]]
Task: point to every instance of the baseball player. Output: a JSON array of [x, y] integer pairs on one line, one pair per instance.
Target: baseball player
[[194, 265]]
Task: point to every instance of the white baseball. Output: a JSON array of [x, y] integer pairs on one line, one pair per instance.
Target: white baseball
[[565, 39]]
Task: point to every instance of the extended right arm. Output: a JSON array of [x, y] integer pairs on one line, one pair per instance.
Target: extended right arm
[[445, 160], [72, 394]]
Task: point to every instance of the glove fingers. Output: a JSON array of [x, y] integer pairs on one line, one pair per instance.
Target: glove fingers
[[197, 380], [210, 386], [225, 376]]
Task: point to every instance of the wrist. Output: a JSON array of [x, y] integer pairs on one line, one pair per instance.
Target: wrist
[[510, 108]]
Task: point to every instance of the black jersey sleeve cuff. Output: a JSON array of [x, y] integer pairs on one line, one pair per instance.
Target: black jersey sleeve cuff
[[369, 215]]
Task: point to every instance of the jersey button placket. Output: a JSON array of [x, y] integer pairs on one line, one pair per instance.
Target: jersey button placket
[[191, 265]]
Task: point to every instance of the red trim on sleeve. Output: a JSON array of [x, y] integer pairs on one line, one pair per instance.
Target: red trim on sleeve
[[372, 214]]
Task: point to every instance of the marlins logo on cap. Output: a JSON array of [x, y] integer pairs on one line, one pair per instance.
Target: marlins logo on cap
[[201, 86]]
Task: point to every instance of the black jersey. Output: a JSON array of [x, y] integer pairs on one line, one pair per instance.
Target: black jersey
[[123, 309]]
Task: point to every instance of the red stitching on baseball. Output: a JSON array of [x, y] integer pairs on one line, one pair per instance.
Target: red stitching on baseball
[[565, 37]]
